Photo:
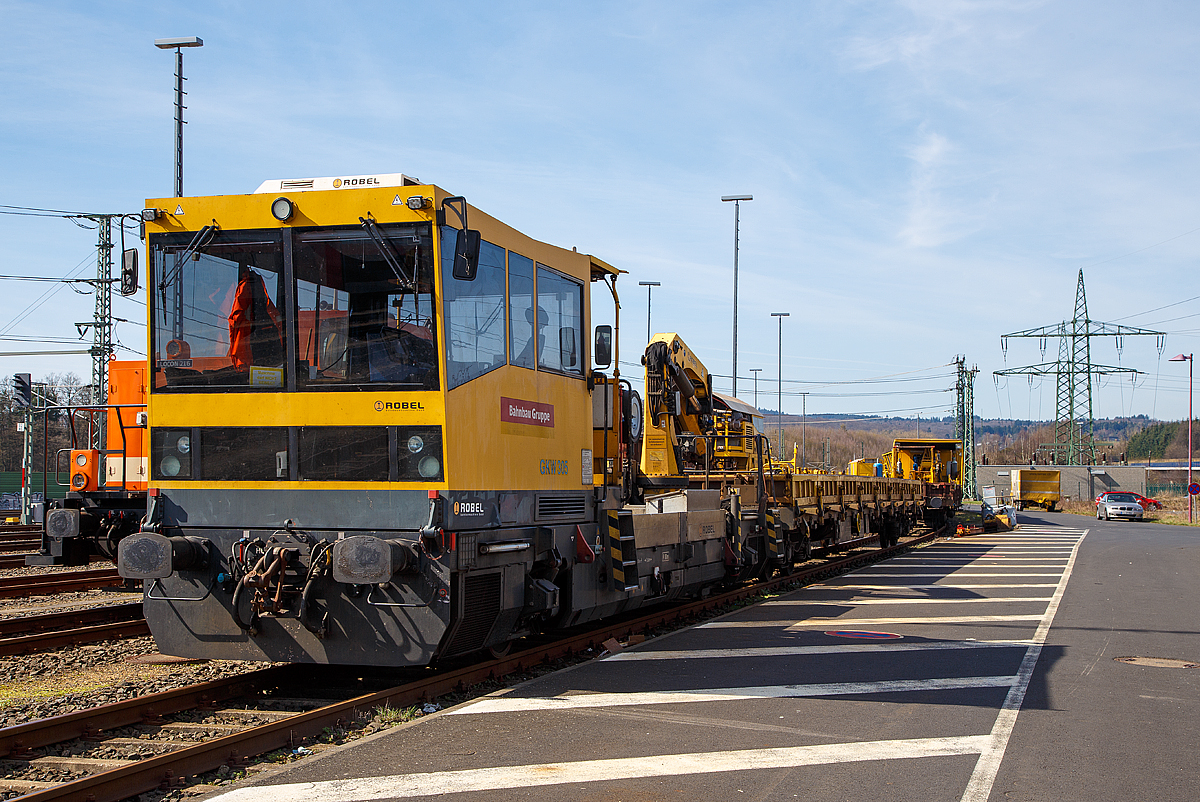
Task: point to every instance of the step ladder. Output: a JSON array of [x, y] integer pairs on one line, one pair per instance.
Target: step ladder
[[622, 551], [775, 546]]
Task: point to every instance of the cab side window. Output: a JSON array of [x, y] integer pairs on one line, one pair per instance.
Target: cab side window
[[474, 313]]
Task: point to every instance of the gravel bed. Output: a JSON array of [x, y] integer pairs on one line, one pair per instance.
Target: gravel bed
[[61, 602], [37, 570], [78, 677]]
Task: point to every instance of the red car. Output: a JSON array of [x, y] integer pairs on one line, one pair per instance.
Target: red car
[[1147, 503]]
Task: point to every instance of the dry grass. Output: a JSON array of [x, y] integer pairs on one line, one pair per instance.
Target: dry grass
[[74, 681]]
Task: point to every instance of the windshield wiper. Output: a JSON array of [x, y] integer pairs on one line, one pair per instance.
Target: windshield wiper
[[407, 283], [203, 239]]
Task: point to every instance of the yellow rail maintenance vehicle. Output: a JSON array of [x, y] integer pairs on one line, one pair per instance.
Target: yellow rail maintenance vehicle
[[379, 433], [774, 512], [935, 462]]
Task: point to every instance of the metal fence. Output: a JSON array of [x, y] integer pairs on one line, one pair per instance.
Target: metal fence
[[1166, 489]]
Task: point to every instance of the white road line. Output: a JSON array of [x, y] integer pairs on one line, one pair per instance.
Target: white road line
[[589, 771], [979, 788], [801, 651], [955, 566], [856, 623], [511, 704], [1007, 554], [917, 558], [950, 575], [905, 600], [999, 552], [1019, 541], [976, 540], [960, 586]]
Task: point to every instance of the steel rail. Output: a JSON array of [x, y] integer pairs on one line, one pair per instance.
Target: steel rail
[[167, 770], [45, 622], [42, 641], [19, 544], [16, 741], [40, 632], [8, 530], [14, 587]]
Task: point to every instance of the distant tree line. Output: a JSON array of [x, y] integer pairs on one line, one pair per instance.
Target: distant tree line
[[58, 389], [1163, 441]]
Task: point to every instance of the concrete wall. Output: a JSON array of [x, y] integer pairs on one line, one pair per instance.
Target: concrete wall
[[1077, 482]]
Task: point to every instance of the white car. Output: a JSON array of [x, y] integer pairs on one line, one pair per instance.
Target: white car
[[1119, 505]]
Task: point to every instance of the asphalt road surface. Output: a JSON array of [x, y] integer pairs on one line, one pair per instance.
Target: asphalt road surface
[[979, 668]]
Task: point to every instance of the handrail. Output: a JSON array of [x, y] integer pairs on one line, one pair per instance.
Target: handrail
[[72, 410]]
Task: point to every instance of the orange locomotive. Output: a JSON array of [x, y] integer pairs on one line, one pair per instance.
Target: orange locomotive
[[106, 496]]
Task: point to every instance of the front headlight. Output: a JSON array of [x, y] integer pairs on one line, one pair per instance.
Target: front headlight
[[420, 457], [171, 453]]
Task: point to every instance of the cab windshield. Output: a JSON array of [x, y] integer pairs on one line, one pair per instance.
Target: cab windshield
[[330, 308]]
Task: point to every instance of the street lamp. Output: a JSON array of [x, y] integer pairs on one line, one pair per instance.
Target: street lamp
[[781, 316], [1188, 358], [177, 44], [756, 371], [803, 426], [737, 209], [649, 285]]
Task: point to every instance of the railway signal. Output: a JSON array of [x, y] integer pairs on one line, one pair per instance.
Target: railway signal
[[22, 390]]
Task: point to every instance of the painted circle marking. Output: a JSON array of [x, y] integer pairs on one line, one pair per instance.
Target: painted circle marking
[[379, 406], [864, 634]]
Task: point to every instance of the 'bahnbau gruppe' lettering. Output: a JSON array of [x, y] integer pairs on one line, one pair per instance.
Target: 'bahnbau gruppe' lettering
[[513, 410]]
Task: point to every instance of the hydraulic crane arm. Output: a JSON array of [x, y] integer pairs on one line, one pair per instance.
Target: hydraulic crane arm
[[679, 407]]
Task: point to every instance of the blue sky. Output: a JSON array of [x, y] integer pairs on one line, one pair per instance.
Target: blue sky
[[926, 175]]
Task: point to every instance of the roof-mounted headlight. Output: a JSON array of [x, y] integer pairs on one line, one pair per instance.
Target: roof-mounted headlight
[[281, 209], [417, 202]]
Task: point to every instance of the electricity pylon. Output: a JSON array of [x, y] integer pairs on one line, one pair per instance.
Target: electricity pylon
[[964, 424], [102, 323], [1074, 431]]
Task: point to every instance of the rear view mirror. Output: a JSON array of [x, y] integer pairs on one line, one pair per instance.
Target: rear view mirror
[[602, 354], [466, 255], [566, 343], [129, 272]]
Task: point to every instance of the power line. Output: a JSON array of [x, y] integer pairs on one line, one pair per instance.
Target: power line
[[1159, 308], [60, 212], [45, 296]]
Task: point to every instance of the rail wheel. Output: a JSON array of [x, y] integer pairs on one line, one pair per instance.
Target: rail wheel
[[500, 649]]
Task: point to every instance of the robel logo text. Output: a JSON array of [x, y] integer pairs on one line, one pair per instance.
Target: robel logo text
[[338, 183], [380, 406]]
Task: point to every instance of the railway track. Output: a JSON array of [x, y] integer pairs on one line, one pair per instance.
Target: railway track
[[40, 632], [13, 529], [11, 545], [268, 689], [13, 560], [17, 587]]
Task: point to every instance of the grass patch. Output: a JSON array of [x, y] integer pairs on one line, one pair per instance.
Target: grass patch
[[389, 716], [79, 681]]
